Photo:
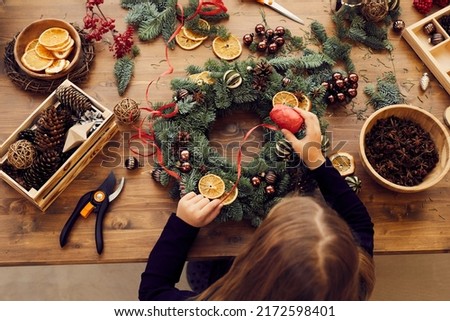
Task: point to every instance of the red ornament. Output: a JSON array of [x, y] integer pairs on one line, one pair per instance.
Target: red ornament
[[286, 117]]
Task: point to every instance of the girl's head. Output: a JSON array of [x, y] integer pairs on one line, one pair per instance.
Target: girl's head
[[302, 251]]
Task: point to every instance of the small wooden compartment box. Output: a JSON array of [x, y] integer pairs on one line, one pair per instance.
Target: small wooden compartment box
[[81, 156], [436, 57]]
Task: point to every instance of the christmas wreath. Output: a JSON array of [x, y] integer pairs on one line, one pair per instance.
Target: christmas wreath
[[181, 133]]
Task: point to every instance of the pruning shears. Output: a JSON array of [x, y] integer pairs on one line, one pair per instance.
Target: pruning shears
[[96, 201]]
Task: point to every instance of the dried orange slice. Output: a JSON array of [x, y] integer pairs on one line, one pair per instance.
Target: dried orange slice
[[32, 61], [227, 49], [53, 37], [43, 52], [65, 46], [186, 43], [285, 98], [32, 44], [203, 25], [64, 53], [304, 102], [343, 162], [56, 66], [230, 198], [211, 186]]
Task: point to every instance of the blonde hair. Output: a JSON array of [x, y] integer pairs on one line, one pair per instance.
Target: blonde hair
[[302, 251]]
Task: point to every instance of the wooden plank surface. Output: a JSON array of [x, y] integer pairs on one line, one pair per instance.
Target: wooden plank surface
[[404, 223]]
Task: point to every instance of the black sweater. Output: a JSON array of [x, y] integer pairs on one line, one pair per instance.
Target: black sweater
[[169, 254]]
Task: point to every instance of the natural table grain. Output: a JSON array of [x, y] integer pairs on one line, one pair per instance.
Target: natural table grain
[[404, 223]]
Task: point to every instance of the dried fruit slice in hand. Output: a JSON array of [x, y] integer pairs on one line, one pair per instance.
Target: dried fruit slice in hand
[[53, 37], [211, 186], [203, 25], [33, 62], [343, 162], [229, 198], [186, 43], [285, 98], [227, 49]]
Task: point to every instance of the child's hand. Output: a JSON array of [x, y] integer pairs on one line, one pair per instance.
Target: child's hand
[[308, 148], [197, 210]]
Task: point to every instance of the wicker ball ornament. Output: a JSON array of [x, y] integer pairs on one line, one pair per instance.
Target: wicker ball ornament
[[375, 10], [21, 154], [127, 111]]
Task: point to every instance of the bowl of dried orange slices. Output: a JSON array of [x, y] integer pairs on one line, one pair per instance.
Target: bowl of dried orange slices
[[47, 49]]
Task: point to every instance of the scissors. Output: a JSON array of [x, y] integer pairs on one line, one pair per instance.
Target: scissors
[[274, 5], [96, 201]]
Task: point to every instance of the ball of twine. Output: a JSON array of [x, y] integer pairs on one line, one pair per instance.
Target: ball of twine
[[127, 111], [375, 10], [21, 154]]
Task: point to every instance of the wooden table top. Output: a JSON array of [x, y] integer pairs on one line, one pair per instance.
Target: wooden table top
[[404, 223]]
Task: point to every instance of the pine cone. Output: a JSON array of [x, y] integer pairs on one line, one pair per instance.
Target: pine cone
[[73, 99], [27, 134], [44, 166], [51, 128], [263, 69], [261, 74]]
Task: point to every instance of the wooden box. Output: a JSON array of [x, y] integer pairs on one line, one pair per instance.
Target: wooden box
[[436, 57], [79, 158]]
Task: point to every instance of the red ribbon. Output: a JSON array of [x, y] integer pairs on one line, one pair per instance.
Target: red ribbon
[[239, 156]]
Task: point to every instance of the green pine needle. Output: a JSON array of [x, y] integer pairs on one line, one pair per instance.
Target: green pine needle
[[123, 71]]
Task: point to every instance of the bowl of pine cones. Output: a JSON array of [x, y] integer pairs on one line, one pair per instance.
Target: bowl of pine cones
[[405, 148], [47, 49]]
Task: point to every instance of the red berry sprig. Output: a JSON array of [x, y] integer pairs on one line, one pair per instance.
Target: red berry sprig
[[423, 6], [98, 24]]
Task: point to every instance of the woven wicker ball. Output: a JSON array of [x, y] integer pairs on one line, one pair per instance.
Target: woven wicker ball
[[21, 154], [127, 111], [375, 10]]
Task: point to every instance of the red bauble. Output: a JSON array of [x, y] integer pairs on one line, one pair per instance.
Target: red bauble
[[286, 117]]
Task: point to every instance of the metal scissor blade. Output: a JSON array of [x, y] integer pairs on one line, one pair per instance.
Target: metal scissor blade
[[113, 196], [281, 10]]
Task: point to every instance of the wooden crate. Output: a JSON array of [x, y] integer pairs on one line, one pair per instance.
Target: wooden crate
[[435, 57], [67, 172]]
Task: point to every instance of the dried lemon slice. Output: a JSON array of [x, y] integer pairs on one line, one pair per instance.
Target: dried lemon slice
[[32, 44], [229, 198], [227, 49], [56, 66], [343, 162], [211, 186], [186, 43], [53, 37], [285, 98], [43, 52], [33, 62], [203, 25]]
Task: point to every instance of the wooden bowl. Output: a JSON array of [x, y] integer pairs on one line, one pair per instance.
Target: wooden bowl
[[430, 124], [33, 31]]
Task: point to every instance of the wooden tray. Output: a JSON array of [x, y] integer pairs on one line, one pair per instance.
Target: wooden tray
[[67, 172], [435, 57]]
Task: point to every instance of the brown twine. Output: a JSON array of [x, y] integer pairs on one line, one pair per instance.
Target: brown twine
[[127, 111], [24, 81], [21, 154], [375, 10]]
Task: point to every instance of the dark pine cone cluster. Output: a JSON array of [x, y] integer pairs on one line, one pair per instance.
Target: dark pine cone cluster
[[48, 136], [341, 89]]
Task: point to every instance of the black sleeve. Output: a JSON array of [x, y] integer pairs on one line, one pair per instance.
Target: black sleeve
[[346, 203], [166, 261]]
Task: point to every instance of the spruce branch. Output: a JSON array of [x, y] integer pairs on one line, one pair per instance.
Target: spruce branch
[[123, 71]]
